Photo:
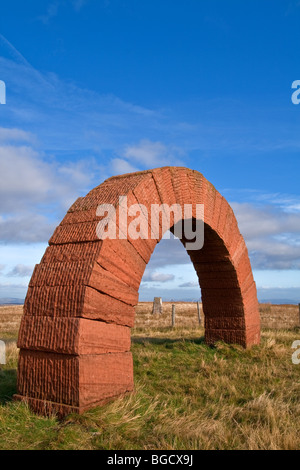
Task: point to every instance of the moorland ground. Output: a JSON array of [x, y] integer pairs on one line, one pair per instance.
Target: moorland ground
[[187, 395]]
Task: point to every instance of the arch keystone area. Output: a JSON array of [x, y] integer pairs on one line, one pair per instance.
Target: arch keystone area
[[74, 337]]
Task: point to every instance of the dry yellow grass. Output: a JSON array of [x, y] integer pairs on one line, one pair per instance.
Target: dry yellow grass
[[10, 319], [279, 316], [186, 315], [272, 316]]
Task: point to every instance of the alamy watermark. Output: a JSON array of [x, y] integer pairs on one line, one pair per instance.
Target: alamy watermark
[[296, 354], [2, 92], [296, 94], [137, 221], [2, 353]]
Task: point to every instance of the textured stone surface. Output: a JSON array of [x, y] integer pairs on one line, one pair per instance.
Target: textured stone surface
[[80, 304], [74, 380], [74, 336]]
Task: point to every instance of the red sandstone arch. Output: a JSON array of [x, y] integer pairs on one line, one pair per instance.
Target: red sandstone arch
[[74, 338]]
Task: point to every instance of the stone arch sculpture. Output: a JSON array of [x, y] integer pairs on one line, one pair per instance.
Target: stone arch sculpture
[[74, 338]]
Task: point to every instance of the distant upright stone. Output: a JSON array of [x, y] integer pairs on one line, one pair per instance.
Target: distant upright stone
[[199, 312], [157, 305], [173, 315]]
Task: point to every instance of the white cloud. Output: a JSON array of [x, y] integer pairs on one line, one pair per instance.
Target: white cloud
[[26, 227], [13, 286], [154, 276], [10, 290], [78, 126], [149, 153], [24, 177], [153, 154], [120, 166], [35, 194], [27, 178], [55, 136], [189, 284], [20, 270], [265, 220], [272, 235], [145, 154], [15, 135], [168, 253]]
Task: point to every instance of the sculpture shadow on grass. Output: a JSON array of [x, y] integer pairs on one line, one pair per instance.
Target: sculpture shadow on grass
[[166, 341], [8, 385]]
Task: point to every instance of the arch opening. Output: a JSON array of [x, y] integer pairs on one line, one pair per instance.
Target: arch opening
[[74, 338], [171, 276]]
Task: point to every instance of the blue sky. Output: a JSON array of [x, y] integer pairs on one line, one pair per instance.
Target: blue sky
[[96, 88]]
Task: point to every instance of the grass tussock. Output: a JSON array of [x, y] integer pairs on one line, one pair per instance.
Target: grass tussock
[[187, 396]]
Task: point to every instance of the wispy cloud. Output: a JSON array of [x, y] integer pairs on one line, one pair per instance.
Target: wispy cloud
[[189, 284], [59, 141], [272, 234], [53, 8], [27, 178], [78, 4], [36, 192], [155, 276], [25, 227], [14, 54], [151, 154], [51, 12], [120, 166], [15, 135], [168, 252], [70, 121], [20, 270]]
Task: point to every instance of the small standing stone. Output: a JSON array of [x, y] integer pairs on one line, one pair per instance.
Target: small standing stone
[[199, 312], [157, 305], [173, 315]]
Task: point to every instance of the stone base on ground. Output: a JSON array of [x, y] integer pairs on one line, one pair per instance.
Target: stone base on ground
[[48, 408]]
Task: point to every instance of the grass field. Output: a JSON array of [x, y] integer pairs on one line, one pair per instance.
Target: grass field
[[187, 395]]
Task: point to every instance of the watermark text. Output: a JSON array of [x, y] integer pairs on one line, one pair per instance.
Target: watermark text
[[136, 221], [2, 353], [296, 354], [296, 94], [2, 92]]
